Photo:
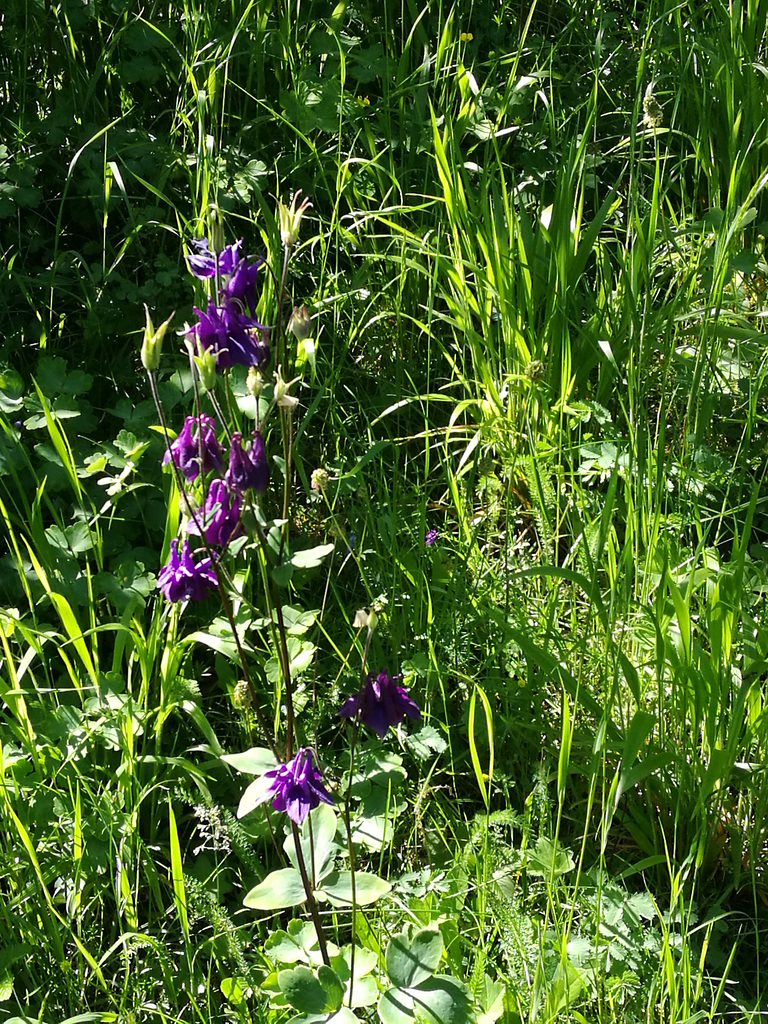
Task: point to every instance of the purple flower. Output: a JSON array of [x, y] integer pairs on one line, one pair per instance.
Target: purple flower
[[183, 579], [296, 787], [221, 516], [186, 449], [248, 468], [233, 336], [430, 537], [203, 263], [380, 703], [241, 285], [229, 257]]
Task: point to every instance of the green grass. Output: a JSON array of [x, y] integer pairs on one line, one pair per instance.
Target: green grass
[[536, 259]]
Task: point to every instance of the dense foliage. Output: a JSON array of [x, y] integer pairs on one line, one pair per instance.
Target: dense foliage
[[497, 494]]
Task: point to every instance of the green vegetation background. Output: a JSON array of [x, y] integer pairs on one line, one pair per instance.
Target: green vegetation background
[[536, 260]]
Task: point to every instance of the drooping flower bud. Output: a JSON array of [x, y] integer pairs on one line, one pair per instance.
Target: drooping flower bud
[[300, 323]]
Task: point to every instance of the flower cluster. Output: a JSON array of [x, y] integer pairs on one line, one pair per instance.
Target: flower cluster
[[218, 521], [229, 327], [380, 703]]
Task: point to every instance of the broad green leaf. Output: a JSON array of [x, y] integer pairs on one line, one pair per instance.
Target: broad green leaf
[[443, 1000], [491, 999], [298, 944], [279, 889], [310, 992], [396, 1007], [368, 888], [333, 985], [311, 557], [549, 859], [298, 621], [317, 842], [254, 761], [235, 990], [302, 990], [360, 990], [411, 960], [282, 574], [283, 949], [342, 1016]]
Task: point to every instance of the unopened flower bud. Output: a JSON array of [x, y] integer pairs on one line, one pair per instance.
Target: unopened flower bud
[[254, 382], [300, 323], [319, 479], [290, 219], [205, 361], [152, 345], [218, 239]]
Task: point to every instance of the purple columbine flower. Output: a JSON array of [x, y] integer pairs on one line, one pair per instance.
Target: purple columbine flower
[[220, 519], [248, 468], [430, 537], [185, 450], [380, 703], [203, 263], [233, 336], [241, 285], [183, 579], [296, 787]]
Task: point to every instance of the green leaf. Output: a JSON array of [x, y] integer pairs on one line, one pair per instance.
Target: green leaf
[[358, 990], [333, 985], [283, 948], [297, 621], [6, 986], [342, 1016], [425, 742], [411, 960], [302, 989], [278, 890], [549, 859], [310, 993], [254, 761], [235, 990], [396, 1007], [318, 844], [368, 888], [443, 1000], [491, 999], [311, 557], [282, 574]]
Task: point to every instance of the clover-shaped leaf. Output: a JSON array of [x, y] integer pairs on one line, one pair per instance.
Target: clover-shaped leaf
[[311, 992], [411, 960]]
